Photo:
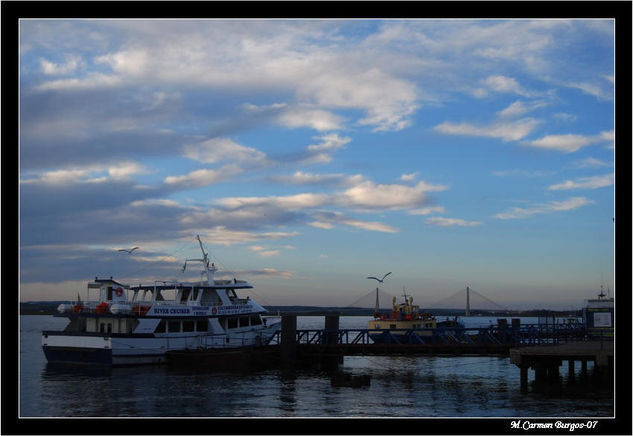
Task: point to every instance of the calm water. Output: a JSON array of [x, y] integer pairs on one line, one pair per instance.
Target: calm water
[[423, 386]]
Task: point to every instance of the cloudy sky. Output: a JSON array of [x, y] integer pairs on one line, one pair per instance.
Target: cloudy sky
[[309, 154]]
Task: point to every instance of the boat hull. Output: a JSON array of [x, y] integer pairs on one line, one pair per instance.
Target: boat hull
[[138, 349], [77, 356], [400, 337]]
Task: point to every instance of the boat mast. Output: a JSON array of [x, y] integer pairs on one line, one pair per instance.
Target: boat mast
[[205, 261]]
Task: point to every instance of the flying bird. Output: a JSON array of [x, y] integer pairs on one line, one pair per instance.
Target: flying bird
[[130, 250], [380, 280]]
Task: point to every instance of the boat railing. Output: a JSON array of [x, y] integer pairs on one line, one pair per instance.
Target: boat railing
[[223, 341]]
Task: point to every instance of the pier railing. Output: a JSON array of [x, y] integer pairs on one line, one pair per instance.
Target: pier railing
[[515, 336]]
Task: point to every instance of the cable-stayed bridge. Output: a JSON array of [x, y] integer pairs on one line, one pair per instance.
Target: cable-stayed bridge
[[466, 299]]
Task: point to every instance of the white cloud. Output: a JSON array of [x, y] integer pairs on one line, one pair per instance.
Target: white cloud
[[122, 171], [369, 195], [303, 178], [451, 222], [203, 177], [506, 131], [584, 183], [374, 226], [268, 252], [321, 225], [570, 143], [503, 84], [224, 149], [363, 195], [314, 118], [387, 100], [91, 82], [71, 65], [409, 177], [298, 115], [563, 116], [288, 202], [552, 206], [322, 151], [327, 220], [520, 107], [293, 58], [591, 162], [427, 210], [224, 236], [595, 89]]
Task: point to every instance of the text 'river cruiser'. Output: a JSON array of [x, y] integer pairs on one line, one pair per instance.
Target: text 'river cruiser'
[[125, 325]]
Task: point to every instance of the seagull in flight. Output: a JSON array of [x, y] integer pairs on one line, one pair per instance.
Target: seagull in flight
[[380, 280], [130, 250]]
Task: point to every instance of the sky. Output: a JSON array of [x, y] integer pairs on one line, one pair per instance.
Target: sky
[[310, 154]]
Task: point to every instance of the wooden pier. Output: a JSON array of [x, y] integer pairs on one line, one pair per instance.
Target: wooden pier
[[536, 347]]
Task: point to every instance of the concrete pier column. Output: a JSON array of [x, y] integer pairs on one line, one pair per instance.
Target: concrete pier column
[[583, 368], [540, 375], [331, 326], [552, 372], [288, 339], [524, 379], [502, 329]]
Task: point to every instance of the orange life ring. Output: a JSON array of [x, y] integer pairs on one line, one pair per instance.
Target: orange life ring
[[118, 292]]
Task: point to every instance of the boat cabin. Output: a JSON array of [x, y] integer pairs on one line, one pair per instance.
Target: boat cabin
[[598, 316]]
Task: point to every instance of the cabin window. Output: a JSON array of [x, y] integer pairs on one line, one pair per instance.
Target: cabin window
[[202, 326], [173, 326], [256, 320], [231, 293], [376, 326], [195, 294], [102, 327], [109, 328], [392, 326], [185, 295], [109, 293], [231, 323], [161, 327], [187, 326], [243, 321]]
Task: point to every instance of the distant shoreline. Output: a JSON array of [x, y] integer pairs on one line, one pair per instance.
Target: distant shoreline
[[50, 307]]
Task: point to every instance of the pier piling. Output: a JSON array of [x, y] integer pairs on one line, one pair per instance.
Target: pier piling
[[524, 378], [331, 327], [288, 339], [546, 360]]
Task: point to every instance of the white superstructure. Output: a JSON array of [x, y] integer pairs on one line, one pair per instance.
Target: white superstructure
[[123, 325]]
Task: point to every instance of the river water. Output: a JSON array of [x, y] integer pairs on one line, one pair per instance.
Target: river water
[[401, 386]]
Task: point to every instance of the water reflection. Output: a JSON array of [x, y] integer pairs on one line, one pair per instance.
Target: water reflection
[[421, 386], [287, 392]]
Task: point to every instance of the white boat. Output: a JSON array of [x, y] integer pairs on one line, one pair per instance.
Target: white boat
[[128, 325]]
